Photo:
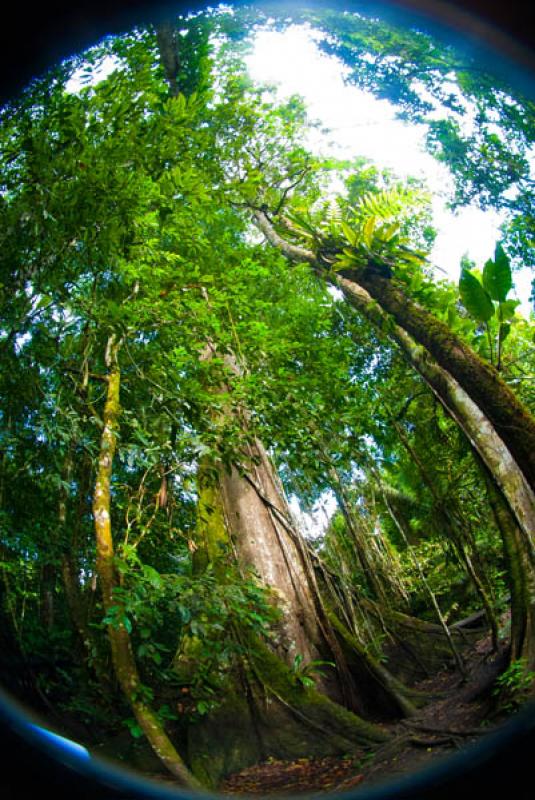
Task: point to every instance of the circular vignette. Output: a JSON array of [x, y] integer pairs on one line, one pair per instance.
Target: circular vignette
[[34, 40]]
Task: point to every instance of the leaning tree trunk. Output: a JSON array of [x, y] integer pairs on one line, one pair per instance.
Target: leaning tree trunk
[[499, 428], [387, 306], [512, 499], [122, 655], [481, 381], [521, 577], [466, 413]]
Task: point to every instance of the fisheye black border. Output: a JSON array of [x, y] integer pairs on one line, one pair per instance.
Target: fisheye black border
[[35, 36], [501, 764]]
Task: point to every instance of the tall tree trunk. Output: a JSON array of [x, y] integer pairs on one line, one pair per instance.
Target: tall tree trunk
[[244, 509], [521, 577], [122, 656], [266, 538]]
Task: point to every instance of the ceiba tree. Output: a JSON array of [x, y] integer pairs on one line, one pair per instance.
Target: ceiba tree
[[137, 200]]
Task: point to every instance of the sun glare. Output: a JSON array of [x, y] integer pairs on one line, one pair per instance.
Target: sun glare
[[352, 123]]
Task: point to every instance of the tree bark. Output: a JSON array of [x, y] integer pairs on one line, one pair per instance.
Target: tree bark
[[521, 577], [166, 38], [266, 711], [122, 656], [479, 381]]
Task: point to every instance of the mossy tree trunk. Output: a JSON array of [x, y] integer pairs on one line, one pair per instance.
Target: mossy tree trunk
[[480, 380], [511, 497], [521, 574], [496, 423], [266, 538], [121, 649], [467, 386], [467, 414], [267, 711]]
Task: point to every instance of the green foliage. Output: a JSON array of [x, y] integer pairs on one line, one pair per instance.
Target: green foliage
[[475, 297], [305, 672], [497, 278], [476, 122], [124, 210], [480, 296], [513, 686]]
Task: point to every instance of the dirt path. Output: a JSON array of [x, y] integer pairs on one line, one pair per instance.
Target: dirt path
[[457, 717]]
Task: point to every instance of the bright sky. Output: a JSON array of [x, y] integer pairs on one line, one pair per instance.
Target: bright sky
[[360, 125]]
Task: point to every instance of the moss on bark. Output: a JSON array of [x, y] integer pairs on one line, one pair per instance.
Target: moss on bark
[[479, 379], [273, 715], [121, 649]]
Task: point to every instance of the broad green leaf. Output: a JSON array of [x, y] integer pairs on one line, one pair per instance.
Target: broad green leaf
[[475, 298], [497, 278], [507, 309]]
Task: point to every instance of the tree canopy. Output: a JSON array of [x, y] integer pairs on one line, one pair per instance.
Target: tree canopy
[[194, 326]]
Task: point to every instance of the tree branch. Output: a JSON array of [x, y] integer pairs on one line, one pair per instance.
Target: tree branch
[[292, 251]]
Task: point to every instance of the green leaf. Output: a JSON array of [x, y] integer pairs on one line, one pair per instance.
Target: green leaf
[[134, 728], [507, 309], [349, 233], [368, 231], [505, 330], [152, 576], [475, 298], [497, 278]]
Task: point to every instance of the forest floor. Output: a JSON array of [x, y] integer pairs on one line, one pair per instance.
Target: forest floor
[[463, 710], [460, 712]]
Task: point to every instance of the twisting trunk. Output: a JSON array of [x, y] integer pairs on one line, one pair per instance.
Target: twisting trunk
[[122, 656]]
